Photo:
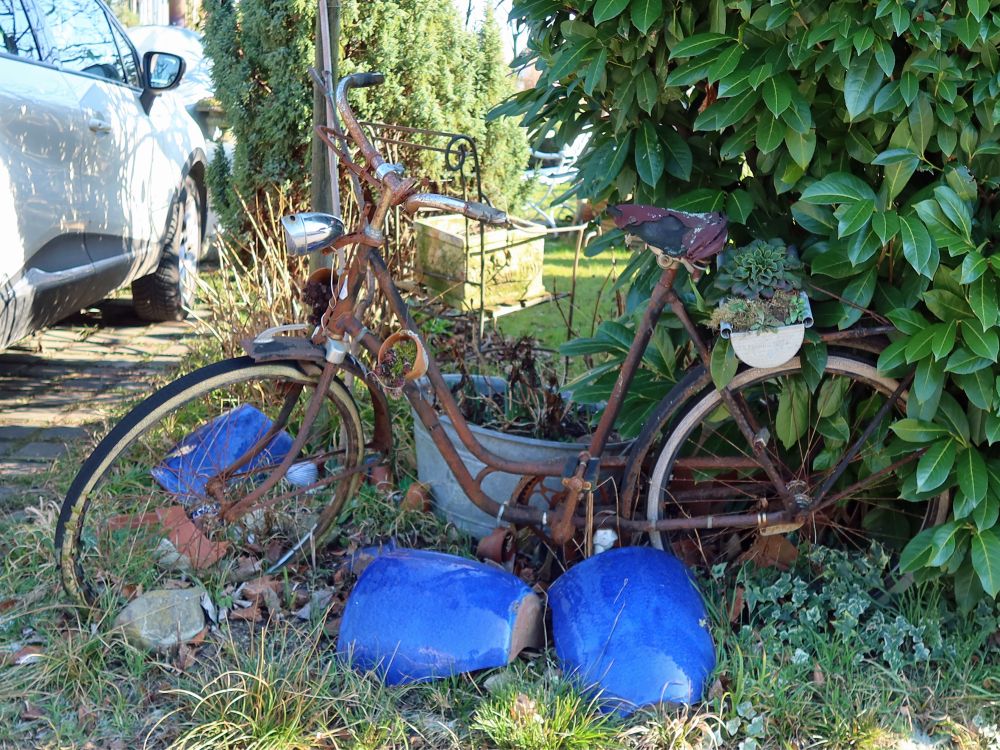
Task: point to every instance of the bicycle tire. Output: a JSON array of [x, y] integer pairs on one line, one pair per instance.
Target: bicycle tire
[[665, 486], [153, 434]]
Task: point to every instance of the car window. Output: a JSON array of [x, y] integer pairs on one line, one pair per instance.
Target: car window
[[17, 37], [127, 57], [81, 37]]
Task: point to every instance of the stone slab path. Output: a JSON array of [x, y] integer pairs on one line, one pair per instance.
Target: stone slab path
[[57, 388]]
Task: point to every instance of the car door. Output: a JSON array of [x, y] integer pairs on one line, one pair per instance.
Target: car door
[[43, 261], [114, 183]]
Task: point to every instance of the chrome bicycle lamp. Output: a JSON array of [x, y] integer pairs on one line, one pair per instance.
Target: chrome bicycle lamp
[[308, 232]]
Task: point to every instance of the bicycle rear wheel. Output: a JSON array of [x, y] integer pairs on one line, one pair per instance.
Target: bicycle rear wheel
[[149, 504], [705, 468]]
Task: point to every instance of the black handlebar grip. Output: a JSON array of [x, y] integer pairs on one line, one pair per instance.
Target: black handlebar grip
[[363, 80]]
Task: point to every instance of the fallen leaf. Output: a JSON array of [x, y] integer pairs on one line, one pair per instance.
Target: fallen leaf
[[186, 657], [247, 614], [27, 655], [258, 589], [31, 712], [771, 552], [331, 628], [818, 678], [524, 708], [736, 608], [417, 498]]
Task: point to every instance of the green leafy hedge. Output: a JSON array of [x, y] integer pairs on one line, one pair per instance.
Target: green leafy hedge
[[438, 76], [866, 132]]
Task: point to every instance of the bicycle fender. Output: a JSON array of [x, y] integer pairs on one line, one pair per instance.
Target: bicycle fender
[[302, 350]]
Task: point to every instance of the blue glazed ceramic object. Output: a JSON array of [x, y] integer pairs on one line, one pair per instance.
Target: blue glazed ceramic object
[[216, 445], [630, 625], [415, 615]]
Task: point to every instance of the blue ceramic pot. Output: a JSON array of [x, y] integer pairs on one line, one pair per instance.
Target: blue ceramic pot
[[415, 615], [630, 625]]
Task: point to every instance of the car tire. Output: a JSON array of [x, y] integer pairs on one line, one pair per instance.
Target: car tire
[[168, 293]]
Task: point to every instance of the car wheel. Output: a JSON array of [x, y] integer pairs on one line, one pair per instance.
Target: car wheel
[[168, 293]]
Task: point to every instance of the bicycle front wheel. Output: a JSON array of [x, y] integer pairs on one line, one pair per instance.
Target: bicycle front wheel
[[705, 468], [160, 497]]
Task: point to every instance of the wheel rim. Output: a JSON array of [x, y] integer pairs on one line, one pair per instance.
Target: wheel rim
[[682, 486], [120, 544], [189, 249]]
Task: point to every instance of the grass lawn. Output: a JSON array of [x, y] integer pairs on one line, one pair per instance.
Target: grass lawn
[[594, 300], [814, 656]]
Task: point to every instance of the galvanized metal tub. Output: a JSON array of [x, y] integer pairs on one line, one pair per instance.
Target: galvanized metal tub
[[450, 502]]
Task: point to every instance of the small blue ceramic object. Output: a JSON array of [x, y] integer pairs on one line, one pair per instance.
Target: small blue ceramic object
[[216, 445], [415, 615], [630, 625]]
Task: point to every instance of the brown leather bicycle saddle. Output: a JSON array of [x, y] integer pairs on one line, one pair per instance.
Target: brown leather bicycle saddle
[[696, 237]]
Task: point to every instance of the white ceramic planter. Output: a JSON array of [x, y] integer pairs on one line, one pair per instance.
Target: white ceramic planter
[[768, 348], [771, 348]]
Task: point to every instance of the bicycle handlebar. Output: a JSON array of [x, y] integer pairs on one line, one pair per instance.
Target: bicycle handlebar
[[389, 177], [475, 211]]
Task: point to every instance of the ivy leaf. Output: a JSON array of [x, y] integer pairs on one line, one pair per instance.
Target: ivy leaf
[[972, 477], [648, 154], [723, 363], [699, 44], [918, 247], [935, 465], [605, 9], [645, 13], [864, 79], [680, 160], [838, 187], [986, 560]]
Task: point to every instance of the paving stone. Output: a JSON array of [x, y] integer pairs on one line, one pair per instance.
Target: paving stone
[[63, 434], [40, 451], [17, 433]]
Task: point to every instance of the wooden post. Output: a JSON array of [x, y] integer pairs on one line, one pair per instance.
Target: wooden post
[[325, 192]]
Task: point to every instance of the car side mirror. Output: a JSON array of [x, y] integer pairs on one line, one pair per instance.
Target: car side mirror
[[162, 70]]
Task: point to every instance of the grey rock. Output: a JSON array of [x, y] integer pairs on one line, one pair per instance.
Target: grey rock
[[159, 620]]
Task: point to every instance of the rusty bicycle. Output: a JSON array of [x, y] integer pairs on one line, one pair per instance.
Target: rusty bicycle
[[246, 464]]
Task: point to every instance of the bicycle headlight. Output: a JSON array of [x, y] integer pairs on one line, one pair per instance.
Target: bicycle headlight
[[308, 232]]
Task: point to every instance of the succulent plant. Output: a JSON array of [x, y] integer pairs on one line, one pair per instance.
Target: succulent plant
[[759, 269]]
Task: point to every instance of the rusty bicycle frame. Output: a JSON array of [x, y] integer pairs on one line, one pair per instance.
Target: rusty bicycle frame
[[579, 478]]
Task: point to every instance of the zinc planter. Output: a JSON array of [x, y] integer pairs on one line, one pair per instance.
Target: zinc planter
[[449, 501]]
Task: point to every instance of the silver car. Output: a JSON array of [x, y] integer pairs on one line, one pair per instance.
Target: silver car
[[102, 182]]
